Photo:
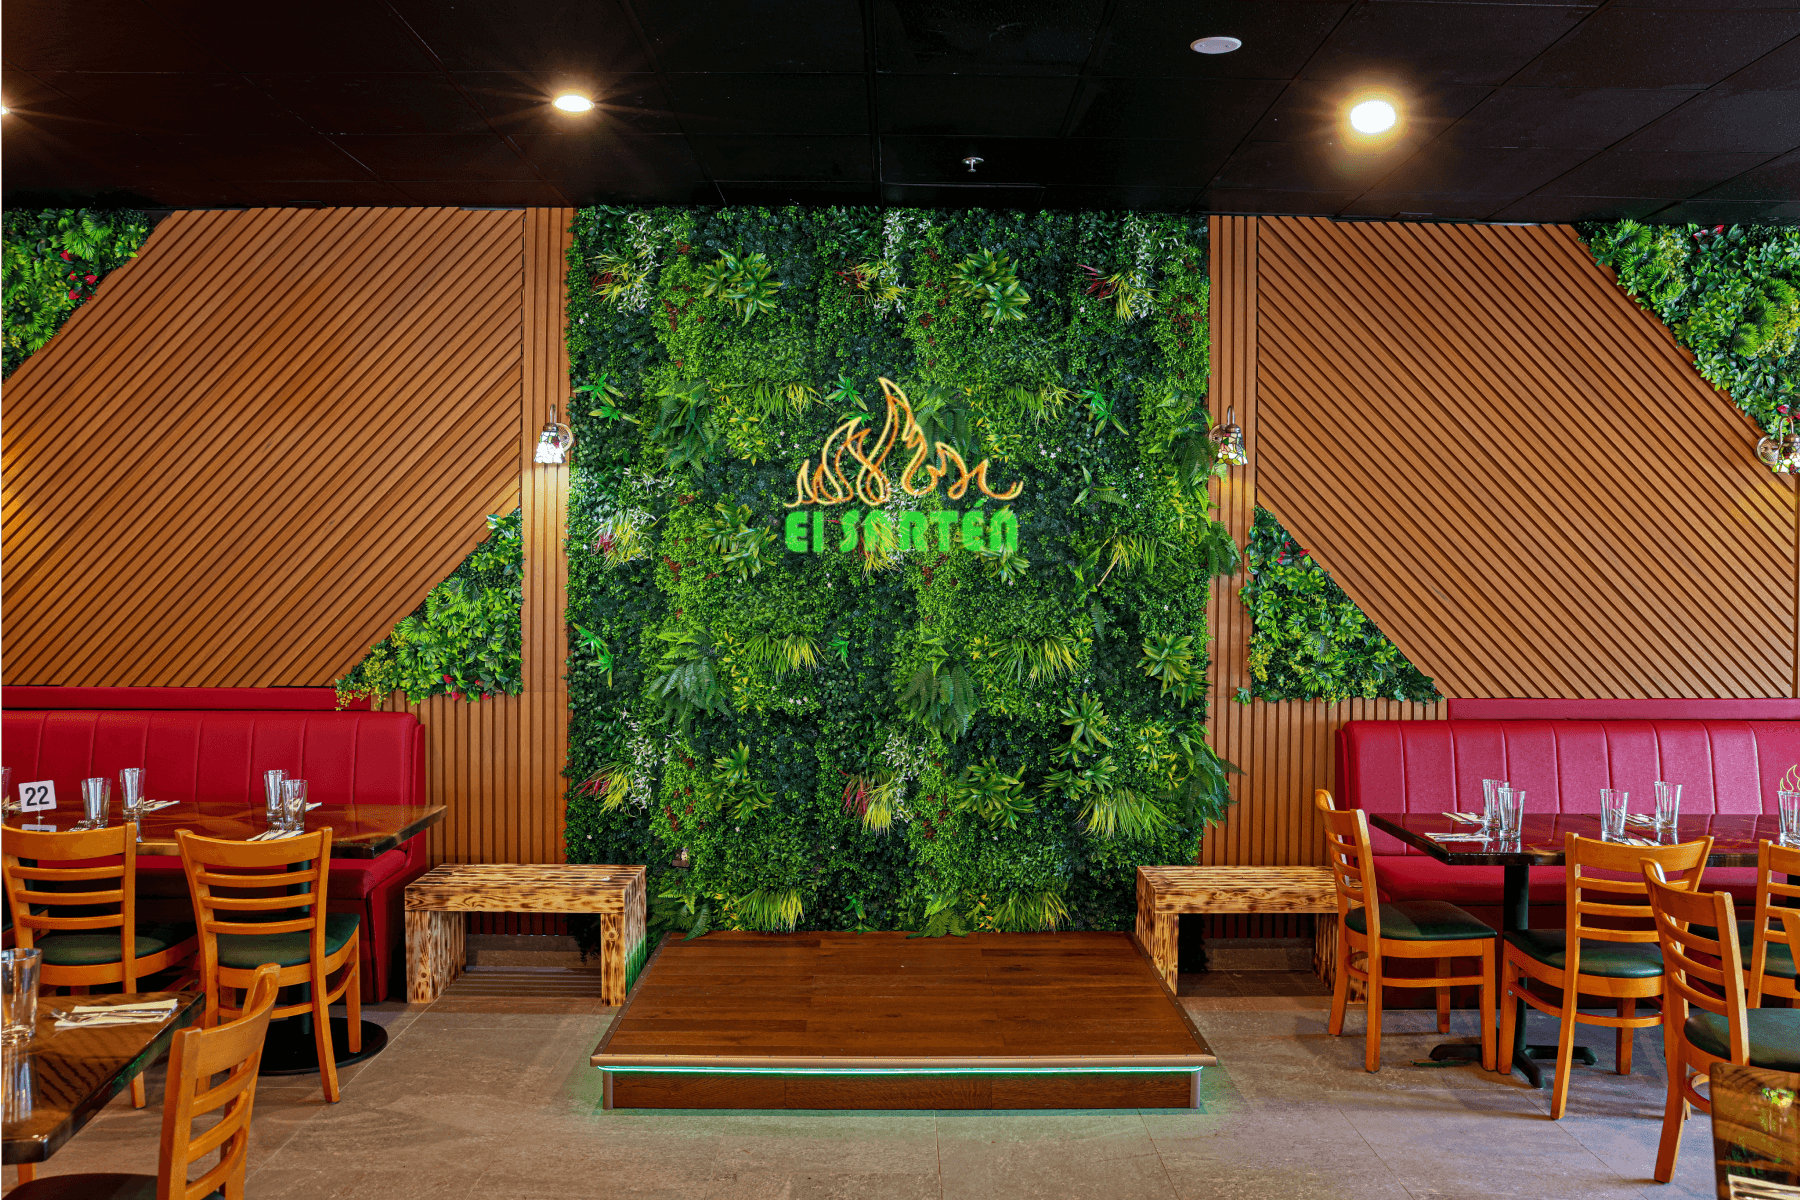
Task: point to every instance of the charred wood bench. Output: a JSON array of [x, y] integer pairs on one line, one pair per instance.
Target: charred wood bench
[[1164, 893], [437, 900]]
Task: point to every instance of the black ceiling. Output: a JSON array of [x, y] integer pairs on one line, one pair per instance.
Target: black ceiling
[[1512, 111]]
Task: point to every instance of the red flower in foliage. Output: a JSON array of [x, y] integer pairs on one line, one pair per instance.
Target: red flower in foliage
[[456, 695], [89, 278], [447, 679], [74, 295], [67, 257]]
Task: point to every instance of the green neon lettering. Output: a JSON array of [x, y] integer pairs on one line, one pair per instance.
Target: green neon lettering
[[795, 528], [945, 520], [878, 532], [972, 529], [848, 543], [1003, 531], [912, 531], [818, 531]]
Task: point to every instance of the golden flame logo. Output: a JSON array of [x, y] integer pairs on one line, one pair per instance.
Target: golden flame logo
[[827, 484]]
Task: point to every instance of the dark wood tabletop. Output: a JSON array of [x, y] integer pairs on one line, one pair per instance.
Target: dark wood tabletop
[[1541, 837], [357, 830], [71, 1074]]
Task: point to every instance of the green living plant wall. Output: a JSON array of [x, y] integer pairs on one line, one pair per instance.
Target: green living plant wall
[[55, 259], [924, 654], [465, 640], [1729, 293], [1308, 640]]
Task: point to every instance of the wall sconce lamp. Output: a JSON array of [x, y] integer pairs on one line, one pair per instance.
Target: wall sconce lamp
[[1781, 449], [1229, 439], [555, 442]]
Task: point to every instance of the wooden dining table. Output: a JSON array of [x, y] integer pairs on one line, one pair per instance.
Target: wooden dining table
[[55, 1083], [1540, 844], [357, 830]]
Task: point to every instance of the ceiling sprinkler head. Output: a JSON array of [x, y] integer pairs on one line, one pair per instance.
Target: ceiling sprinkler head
[[973, 161]]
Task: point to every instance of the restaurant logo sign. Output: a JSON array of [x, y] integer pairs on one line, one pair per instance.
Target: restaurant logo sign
[[828, 485]]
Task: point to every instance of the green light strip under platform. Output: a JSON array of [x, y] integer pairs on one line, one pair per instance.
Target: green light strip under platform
[[686, 1070]]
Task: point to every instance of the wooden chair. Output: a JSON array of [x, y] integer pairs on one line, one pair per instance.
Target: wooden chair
[[195, 1056], [1621, 964], [1775, 932], [87, 947], [1406, 929], [245, 904], [1725, 1028]]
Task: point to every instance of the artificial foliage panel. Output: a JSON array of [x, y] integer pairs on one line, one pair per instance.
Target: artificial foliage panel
[[1729, 293], [465, 640], [890, 547], [1308, 640], [55, 260]]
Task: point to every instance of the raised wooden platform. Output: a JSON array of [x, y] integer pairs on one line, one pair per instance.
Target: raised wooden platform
[[880, 1020]]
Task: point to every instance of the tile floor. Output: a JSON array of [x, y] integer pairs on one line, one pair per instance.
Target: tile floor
[[475, 1098]]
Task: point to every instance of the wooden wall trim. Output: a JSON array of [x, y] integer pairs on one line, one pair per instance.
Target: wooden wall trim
[[263, 441]]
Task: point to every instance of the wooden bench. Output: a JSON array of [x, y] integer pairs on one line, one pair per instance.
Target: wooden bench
[[437, 900], [1164, 893]]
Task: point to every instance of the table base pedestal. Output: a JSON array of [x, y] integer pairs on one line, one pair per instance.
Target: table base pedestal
[[289, 1048], [1525, 1059]]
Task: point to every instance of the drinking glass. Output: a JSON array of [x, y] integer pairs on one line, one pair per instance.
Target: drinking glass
[[131, 796], [17, 1069], [293, 800], [96, 797], [18, 993], [1668, 805], [1509, 808], [1612, 814], [272, 781], [1790, 818], [1488, 788]]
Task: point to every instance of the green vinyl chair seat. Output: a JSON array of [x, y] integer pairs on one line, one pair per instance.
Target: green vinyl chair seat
[[1774, 1035], [1610, 960], [1422, 921], [248, 951], [1781, 958], [102, 946]]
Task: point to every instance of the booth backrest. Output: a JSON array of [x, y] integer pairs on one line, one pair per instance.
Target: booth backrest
[[1724, 766], [345, 757]]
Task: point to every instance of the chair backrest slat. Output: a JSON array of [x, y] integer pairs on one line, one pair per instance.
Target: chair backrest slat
[[1777, 919], [195, 1057], [1622, 887], [1352, 863], [1687, 955], [79, 848]]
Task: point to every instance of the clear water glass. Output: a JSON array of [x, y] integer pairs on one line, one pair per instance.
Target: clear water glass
[[1488, 788], [19, 1092], [131, 796], [293, 801], [272, 781], [96, 799], [19, 993], [1790, 817], [1612, 814], [1668, 805], [1509, 812]]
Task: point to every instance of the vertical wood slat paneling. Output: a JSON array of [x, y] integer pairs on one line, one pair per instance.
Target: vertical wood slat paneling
[[265, 439], [1285, 749], [1512, 468], [497, 763]]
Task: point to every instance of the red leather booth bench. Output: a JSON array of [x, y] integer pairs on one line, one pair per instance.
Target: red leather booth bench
[[1728, 755], [213, 744]]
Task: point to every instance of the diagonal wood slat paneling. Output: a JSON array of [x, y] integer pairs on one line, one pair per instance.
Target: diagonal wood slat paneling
[[263, 442], [1512, 468]]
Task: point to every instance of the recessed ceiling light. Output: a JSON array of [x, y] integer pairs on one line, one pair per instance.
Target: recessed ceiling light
[[1372, 116], [4, 110], [570, 102], [1215, 45]]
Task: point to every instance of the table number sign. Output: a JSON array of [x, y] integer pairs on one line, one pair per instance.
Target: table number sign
[[37, 797]]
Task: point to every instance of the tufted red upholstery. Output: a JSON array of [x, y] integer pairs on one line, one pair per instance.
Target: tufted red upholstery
[[1728, 766], [218, 756]]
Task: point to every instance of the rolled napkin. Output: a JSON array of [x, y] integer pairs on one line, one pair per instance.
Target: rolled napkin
[[151, 806], [275, 835], [84, 1015], [1457, 837]]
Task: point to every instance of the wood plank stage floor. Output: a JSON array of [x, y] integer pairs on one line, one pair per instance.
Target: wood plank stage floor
[[880, 1020]]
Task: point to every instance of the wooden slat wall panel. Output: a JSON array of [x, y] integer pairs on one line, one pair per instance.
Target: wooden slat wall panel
[[498, 763], [1285, 750], [1513, 469], [266, 439]]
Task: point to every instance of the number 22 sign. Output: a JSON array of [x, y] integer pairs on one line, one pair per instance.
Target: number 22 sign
[[37, 797]]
